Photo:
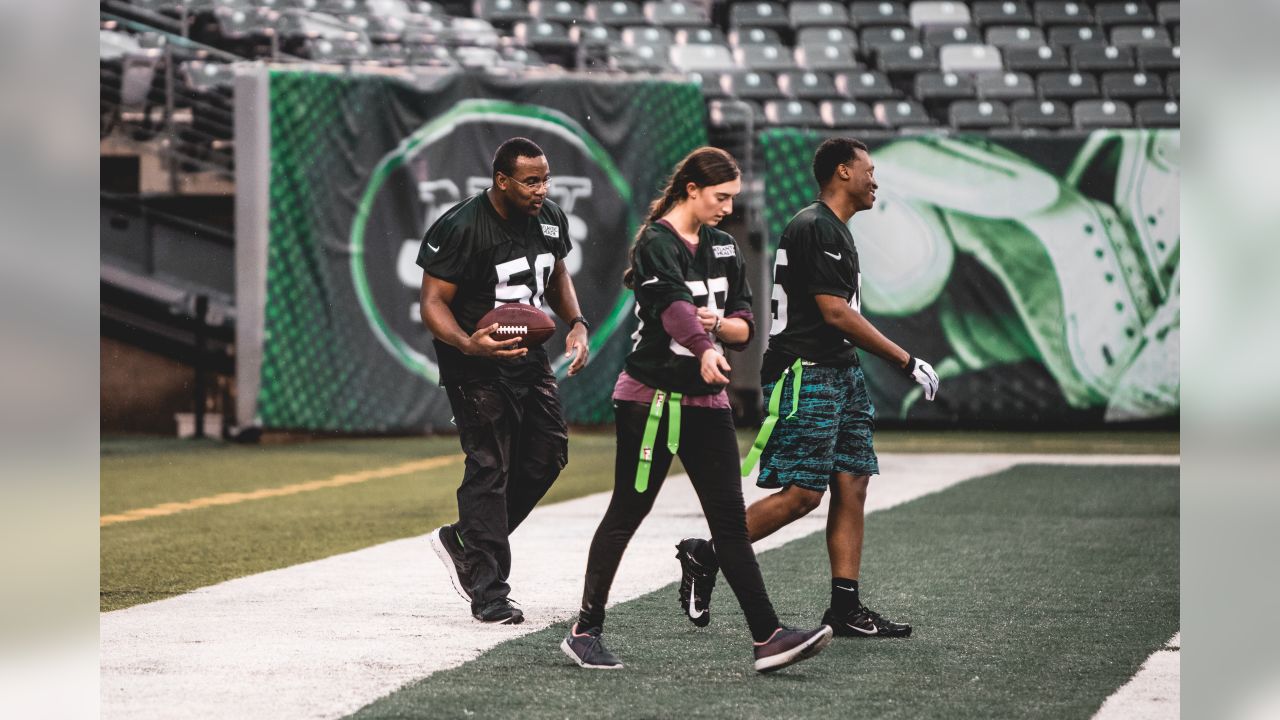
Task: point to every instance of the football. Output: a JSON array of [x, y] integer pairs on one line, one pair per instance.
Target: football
[[519, 320]]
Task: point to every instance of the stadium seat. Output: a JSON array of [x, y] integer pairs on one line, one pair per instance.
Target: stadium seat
[[478, 57], [1001, 12], [792, 113], [1174, 85], [970, 59], [616, 13], [826, 56], [542, 35], [1169, 13], [1006, 37], [675, 13], [865, 85], [940, 35], [643, 59], [1035, 59], [204, 76], [771, 58], [1067, 86], [833, 35], [938, 90], [807, 13], [1159, 59], [588, 34], [700, 36], [978, 114], [340, 51], [646, 35], [1047, 114], [1131, 86], [807, 85], [732, 112], [561, 11], [901, 113], [1089, 114], [1106, 58], [523, 57], [1005, 86], [1123, 13], [1140, 36], [874, 39], [758, 14], [501, 12], [1070, 36], [846, 114], [703, 57], [1157, 113], [927, 13], [739, 37], [1050, 13], [710, 84], [907, 59], [751, 85], [864, 13]]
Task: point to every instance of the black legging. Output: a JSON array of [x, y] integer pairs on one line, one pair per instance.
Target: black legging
[[709, 451]]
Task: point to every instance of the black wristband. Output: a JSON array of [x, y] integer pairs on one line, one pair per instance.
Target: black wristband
[[909, 370], [582, 320]]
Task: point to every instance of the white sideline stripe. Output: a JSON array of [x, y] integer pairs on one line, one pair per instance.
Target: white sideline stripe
[[325, 638], [1154, 693]]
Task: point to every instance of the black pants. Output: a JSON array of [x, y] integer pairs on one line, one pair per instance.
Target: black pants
[[516, 443], [709, 451]]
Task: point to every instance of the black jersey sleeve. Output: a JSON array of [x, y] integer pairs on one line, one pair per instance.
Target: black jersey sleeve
[[739, 286], [659, 272], [566, 243], [827, 264], [445, 252]]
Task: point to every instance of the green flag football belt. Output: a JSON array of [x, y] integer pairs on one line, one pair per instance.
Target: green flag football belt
[[775, 400], [661, 399]]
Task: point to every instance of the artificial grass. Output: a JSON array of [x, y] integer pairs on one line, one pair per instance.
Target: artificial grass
[[1035, 592]]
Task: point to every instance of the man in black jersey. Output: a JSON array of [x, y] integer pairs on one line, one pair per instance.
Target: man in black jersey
[[506, 244], [818, 432]]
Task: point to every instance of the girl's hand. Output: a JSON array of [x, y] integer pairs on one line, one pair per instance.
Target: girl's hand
[[712, 365]]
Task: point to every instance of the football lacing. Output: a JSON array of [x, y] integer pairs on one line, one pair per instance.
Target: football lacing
[[513, 329]]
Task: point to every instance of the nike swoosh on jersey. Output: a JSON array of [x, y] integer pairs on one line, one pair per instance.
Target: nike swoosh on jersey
[[837, 256], [650, 281], [433, 247]]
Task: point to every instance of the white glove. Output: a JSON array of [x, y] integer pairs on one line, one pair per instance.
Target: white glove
[[922, 372]]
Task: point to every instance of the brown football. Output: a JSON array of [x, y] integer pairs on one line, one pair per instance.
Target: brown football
[[519, 320]]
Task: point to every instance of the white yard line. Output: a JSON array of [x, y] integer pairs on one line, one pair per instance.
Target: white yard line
[[325, 638], [1154, 692]]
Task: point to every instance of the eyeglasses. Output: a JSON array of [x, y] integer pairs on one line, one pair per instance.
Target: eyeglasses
[[532, 183]]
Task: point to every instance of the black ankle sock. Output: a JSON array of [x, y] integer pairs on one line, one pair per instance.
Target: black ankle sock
[[844, 595], [588, 621]]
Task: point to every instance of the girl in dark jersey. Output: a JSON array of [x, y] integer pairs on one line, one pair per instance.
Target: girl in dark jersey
[[692, 300]]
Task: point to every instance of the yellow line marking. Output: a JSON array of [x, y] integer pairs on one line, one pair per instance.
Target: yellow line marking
[[231, 498]]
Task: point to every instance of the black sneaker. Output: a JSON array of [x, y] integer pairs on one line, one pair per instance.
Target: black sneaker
[[788, 647], [696, 582], [587, 650], [444, 540], [864, 623], [499, 611]]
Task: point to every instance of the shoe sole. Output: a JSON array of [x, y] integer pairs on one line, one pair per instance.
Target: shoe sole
[[564, 645], [514, 619], [808, 649], [856, 634], [437, 544], [704, 619]]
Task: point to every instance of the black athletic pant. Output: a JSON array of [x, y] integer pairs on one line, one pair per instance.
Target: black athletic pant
[[516, 443], [709, 451]]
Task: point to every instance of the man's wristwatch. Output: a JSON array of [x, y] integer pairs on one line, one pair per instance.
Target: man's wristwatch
[[582, 320]]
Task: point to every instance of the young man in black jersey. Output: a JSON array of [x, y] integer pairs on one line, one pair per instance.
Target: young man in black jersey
[[818, 432], [506, 244]]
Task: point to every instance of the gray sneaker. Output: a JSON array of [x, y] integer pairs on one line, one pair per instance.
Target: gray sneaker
[[788, 647], [587, 650], [448, 547]]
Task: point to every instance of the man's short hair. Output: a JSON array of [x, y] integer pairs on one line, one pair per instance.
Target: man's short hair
[[504, 160], [833, 152]]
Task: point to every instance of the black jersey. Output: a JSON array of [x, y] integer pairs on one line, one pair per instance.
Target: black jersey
[[713, 276], [493, 261], [815, 257]]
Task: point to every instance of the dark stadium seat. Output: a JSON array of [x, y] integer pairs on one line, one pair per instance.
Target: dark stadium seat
[[644, 59], [1067, 85], [907, 59], [1050, 13], [1140, 36], [1102, 58], [758, 13], [807, 85], [864, 13], [792, 113], [338, 51], [1123, 13], [931, 13], [970, 59], [735, 113], [710, 84], [940, 35], [978, 114], [865, 85], [617, 13], [1035, 59], [754, 36], [646, 35], [561, 11], [701, 57], [752, 85], [832, 34], [1089, 114], [1046, 114], [1070, 36], [1131, 86], [542, 35], [501, 12], [808, 13], [1005, 86], [1001, 12], [1007, 37], [700, 36], [771, 58], [586, 34], [846, 114], [675, 13], [1157, 113], [1169, 13], [901, 113], [874, 39], [938, 90], [1159, 59], [827, 57], [521, 57], [1173, 83]]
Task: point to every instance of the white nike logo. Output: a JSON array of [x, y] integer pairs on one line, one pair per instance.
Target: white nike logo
[[650, 281], [837, 256], [874, 630], [693, 595], [433, 247]]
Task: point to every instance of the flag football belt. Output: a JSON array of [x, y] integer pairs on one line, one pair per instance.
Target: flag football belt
[[660, 399], [775, 400]]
